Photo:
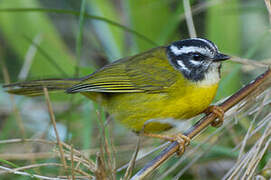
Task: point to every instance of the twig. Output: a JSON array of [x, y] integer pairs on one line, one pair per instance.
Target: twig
[[194, 153], [202, 124], [52, 117], [189, 19], [30, 175]]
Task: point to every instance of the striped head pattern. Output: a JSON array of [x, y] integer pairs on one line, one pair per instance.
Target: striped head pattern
[[196, 58]]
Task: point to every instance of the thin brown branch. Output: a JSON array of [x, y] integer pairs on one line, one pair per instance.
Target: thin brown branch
[[202, 124], [52, 117]]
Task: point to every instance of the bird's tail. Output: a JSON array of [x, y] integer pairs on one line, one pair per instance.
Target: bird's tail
[[35, 88]]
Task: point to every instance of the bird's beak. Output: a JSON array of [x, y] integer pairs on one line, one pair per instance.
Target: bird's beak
[[220, 57]]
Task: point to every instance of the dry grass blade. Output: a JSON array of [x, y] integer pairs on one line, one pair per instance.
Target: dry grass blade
[[249, 62], [52, 117], [144, 155], [72, 164], [10, 141], [29, 57], [28, 156], [31, 166], [245, 168], [250, 127], [30, 175], [201, 7], [100, 172], [129, 170], [105, 159], [189, 19], [80, 157]]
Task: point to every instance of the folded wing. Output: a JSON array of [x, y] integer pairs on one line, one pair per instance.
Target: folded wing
[[146, 72]]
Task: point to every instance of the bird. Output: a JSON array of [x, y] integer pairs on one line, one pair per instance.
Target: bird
[[149, 92]]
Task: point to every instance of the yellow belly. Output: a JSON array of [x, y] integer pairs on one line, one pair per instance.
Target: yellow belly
[[153, 111]]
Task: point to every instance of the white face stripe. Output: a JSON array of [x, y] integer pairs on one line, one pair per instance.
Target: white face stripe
[[196, 63], [190, 49], [182, 66]]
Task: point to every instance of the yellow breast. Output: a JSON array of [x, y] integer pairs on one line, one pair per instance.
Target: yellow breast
[[156, 111], [194, 100]]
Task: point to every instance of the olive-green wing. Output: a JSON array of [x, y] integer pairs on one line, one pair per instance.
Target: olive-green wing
[[149, 71]]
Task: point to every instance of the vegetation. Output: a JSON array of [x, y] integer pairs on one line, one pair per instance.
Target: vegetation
[[45, 39]]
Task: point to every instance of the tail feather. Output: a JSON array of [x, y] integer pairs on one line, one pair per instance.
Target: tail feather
[[35, 88]]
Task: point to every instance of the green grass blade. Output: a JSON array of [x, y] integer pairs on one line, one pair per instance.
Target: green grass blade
[[76, 13], [15, 29], [80, 35]]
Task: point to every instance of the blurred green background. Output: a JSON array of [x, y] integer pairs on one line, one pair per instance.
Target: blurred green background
[[47, 38]]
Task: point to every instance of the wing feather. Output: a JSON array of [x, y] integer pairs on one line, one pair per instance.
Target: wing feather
[[149, 71]]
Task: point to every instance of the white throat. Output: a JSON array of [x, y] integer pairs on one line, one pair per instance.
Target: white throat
[[212, 76]]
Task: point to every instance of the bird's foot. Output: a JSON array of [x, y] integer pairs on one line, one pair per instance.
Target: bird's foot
[[181, 139], [217, 111]]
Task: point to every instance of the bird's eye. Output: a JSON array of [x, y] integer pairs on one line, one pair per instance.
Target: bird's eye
[[197, 57]]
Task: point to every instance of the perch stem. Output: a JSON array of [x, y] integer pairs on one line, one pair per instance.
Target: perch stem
[[201, 125]]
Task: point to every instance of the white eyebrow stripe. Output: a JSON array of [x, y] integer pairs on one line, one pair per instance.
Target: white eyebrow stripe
[[189, 49], [181, 64]]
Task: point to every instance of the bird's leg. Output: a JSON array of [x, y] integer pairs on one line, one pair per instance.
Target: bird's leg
[[181, 139], [217, 111]]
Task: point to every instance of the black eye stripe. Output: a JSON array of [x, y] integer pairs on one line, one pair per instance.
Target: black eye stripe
[[194, 56], [198, 57]]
